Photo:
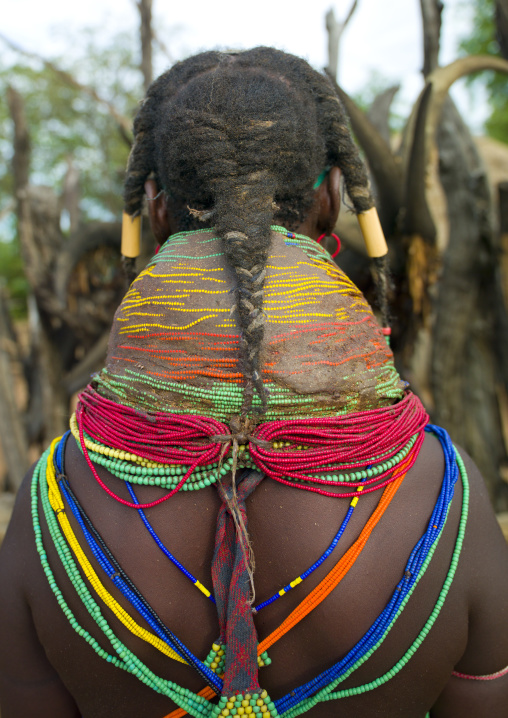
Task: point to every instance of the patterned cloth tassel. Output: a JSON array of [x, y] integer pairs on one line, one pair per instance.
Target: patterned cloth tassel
[[232, 590]]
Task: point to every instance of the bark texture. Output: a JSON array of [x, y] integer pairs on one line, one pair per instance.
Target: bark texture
[[146, 36], [335, 30], [464, 362]]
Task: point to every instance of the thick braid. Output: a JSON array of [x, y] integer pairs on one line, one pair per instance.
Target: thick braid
[[239, 137], [246, 246], [235, 175], [357, 183], [142, 158], [341, 151]]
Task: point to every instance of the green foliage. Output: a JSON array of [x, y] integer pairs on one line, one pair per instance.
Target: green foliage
[[67, 124], [483, 42], [13, 277]]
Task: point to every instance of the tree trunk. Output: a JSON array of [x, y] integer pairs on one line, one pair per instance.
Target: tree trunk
[[335, 30], [12, 431], [55, 399], [463, 370], [145, 12], [71, 195], [379, 112], [431, 16], [502, 287], [124, 124], [502, 26], [40, 239]]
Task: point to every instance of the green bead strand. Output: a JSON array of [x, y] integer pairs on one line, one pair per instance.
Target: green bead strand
[[194, 704], [329, 692]]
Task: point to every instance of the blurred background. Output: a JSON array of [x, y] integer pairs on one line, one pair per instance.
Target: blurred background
[[426, 86]]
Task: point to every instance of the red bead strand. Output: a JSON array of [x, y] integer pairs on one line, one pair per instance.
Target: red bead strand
[[332, 444]]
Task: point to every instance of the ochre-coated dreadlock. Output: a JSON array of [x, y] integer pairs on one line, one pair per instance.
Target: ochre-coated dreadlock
[[240, 139]]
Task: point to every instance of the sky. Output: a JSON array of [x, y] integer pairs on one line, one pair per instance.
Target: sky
[[382, 37]]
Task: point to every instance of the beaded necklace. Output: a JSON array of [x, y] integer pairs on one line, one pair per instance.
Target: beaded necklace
[[119, 577], [323, 687], [193, 346], [283, 591], [57, 505], [186, 450], [341, 443], [292, 584], [143, 464], [293, 704], [131, 468], [350, 441]]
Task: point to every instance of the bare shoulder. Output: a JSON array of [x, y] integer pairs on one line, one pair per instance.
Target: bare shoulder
[[29, 685], [18, 541], [484, 556], [486, 561], [484, 564], [20, 567]]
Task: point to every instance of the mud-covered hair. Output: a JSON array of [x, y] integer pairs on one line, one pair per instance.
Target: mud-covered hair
[[241, 138]]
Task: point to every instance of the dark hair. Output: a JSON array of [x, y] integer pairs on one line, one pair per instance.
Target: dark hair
[[241, 139]]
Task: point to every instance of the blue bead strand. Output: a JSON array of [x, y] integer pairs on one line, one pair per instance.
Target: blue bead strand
[[125, 585], [314, 566], [383, 623], [162, 547], [140, 604], [282, 591]]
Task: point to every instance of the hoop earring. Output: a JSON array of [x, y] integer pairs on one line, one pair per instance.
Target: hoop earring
[[319, 240]]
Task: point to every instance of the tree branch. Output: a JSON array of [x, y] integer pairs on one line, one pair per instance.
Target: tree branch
[[385, 170], [145, 12], [163, 47], [431, 16], [12, 433], [124, 124], [21, 171], [79, 376], [21, 142], [418, 219], [443, 78], [9, 207], [379, 111], [463, 366], [502, 26], [71, 194], [335, 30], [421, 149], [502, 299]]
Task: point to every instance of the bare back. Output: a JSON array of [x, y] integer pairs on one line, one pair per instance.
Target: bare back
[[50, 666], [288, 529]]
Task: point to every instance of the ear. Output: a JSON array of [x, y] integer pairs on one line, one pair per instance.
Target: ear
[[158, 212], [329, 201]]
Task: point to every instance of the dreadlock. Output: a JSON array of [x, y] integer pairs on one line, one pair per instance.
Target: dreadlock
[[240, 139]]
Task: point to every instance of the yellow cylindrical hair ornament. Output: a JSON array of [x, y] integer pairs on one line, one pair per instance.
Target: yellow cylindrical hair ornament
[[131, 235], [373, 233]]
